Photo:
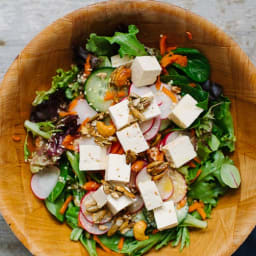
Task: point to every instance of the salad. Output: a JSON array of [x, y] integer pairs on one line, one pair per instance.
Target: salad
[[131, 146]]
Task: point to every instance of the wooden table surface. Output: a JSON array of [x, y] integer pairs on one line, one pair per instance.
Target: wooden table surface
[[21, 20]]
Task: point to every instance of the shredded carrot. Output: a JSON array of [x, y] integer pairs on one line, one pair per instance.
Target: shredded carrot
[[87, 65], [65, 205], [192, 85], [137, 165], [73, 103], [68, 142], [158, 83], [121, 243], [193, 207], [154, 231], [192, 132], [121, 94], [176, 58], [63, 114], [197, 175], [105, 248], [110, 95], [191, 164], [182, 203], [189, 34], [163, 39], [160, 156], [202, 213], [79, 223], [83, 123], [196, 159], [115, 147], [169, 94], [91, 186], [120, 151], [16, 138], [171, 48]]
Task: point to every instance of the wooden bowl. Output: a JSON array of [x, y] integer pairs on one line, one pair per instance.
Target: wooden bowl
[[32, 70]]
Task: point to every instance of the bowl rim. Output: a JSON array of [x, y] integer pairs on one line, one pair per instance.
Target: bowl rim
[[250, 69]]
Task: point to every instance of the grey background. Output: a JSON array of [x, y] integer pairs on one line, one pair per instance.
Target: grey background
[[21, 20]]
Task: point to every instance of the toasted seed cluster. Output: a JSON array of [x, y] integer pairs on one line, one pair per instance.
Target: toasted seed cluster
[[157, 169]]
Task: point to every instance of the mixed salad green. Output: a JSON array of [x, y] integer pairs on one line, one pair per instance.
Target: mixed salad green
[[75, 112]]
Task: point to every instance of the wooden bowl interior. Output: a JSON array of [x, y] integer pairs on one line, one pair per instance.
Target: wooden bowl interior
[[33, 69]]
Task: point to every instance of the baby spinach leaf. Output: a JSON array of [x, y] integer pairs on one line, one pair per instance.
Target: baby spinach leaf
[[89, 244], [198, 68], [186, 51], [230, 175], [60, 184], [127, 42], [54, 208], [72, 215], [76, 234]]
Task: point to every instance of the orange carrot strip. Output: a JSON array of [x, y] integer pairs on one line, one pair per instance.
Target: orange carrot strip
[[193, 207], [105, 248], [91, 186], [154, 231], [158, 83], [65, 205], [16, 138], [62, 113], [197, 175], [110, 95], [191, 164], [87, 65], [121, 94], [163, 39], [202, 213], [115, 147], [182, 203], [68, 142], [189, 35], [137, 165], [169, 94], [73, 103], [196, 159], [120, 151], [192, 85], [83, 123], [79, 224], [169, 59], [171, 48], [121, 243]]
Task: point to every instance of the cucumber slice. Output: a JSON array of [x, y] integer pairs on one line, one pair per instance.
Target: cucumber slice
[[96, 87], [182, 213], [164, 124]]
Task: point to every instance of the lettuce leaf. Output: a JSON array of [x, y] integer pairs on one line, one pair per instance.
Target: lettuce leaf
[[127, 42]]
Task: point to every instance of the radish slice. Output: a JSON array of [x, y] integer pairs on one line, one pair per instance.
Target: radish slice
[[146, 125], [154, 130], [140, 91], [93, 228], [171, 137], [83, 110], [142, 176], [165, 187], [88, 216], [137, 205], [179, 184], [164, 102], [43, 182]]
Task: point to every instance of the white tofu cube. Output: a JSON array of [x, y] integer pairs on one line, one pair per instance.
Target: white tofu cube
[[185, 112], [117, 61], [145, 70], [179, 151], [120, 114], [152, 110], [117, 205], [150, 194], [132, 138], [117, 169], [92, 158], [100, 197], [165, 216]]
